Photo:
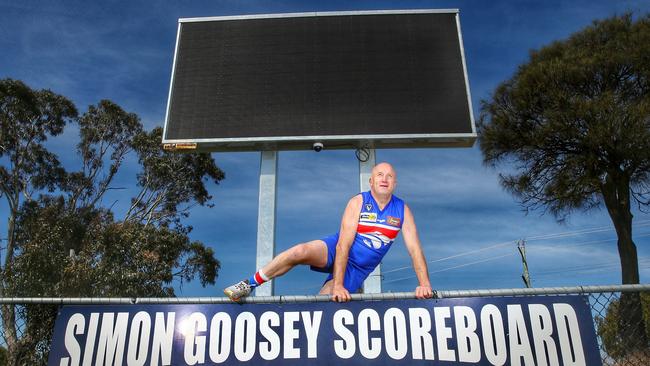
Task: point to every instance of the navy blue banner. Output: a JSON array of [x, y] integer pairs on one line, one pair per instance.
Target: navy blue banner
[[542, 330]]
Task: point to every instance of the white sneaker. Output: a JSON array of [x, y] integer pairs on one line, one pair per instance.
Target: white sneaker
[[238, 290]]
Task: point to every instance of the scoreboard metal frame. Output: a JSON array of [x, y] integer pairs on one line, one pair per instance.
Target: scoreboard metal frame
[[330, 141]]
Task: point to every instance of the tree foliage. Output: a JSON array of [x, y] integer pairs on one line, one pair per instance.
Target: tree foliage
[[575, 118], [573, 125], [169, 183], [64, 241], [106, 132], [27, 119]]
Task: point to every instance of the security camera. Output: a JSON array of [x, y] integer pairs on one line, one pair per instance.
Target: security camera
[[318, 146]]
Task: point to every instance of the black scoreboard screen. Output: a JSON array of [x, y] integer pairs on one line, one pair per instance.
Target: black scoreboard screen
[[345, 79]]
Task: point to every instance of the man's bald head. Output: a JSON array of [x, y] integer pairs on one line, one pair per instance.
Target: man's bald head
[[383, 166], [383, 179]]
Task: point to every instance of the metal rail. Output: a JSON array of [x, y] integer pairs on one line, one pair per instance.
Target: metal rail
[[322, 298]]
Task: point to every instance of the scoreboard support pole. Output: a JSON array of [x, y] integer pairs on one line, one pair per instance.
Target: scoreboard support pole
[[266, 216], [372, 285]]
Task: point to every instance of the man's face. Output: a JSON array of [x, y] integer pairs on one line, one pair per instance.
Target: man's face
[[383, 179]]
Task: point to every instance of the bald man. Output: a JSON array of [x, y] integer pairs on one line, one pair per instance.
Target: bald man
[[369, 226]]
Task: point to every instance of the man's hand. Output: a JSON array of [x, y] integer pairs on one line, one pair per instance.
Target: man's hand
[[340, 294], [423, 292]]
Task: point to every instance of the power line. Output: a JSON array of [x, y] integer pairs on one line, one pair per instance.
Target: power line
[[538, 237], [579, 244], [454, 256], [455, 267], [584, 231], [586, 269], [582, 269]]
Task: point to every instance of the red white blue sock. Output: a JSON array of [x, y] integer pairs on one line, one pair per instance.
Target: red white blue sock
[[257, 279]]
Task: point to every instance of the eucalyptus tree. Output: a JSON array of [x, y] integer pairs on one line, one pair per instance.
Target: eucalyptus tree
[[65, 239], [27, 119]]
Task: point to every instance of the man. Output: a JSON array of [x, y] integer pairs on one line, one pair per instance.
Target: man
[[369, 226]]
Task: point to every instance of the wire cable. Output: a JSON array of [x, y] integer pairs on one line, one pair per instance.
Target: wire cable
[[538, 237], [536, 246], [454, 256], [455, 267]]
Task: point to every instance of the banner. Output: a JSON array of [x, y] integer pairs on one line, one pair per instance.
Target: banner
[[540, 330]]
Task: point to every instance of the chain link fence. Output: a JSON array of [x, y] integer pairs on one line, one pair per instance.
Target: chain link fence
[[622, 323], [621, 316]]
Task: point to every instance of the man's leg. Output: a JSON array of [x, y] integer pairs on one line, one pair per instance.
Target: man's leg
[[313, 253], [327, 288]]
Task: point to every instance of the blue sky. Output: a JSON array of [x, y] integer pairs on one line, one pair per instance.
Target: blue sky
[[123, 50]]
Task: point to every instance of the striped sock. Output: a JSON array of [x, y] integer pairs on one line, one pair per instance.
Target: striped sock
[[257, 279]]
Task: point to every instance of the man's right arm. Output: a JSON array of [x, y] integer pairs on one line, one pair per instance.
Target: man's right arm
[[348, 230]]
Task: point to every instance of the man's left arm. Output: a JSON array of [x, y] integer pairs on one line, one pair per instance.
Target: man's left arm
[[412, 241]]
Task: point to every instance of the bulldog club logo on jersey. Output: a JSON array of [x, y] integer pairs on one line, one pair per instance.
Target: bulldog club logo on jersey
[[393, 221]]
